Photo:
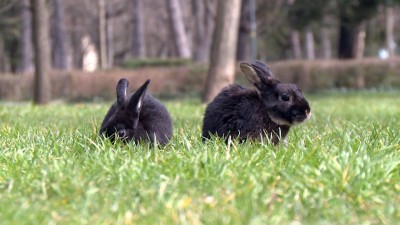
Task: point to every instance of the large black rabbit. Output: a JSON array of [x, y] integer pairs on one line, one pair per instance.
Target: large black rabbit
[[268, 111], [137, 117]]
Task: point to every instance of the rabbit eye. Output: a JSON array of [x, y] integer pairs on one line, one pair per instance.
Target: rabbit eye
[[121, 133], [285, 98]]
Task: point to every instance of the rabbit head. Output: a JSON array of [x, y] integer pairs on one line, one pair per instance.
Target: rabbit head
[[284, 102], [124, 121]]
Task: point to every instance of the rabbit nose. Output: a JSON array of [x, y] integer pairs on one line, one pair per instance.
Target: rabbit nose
[[308, 113]]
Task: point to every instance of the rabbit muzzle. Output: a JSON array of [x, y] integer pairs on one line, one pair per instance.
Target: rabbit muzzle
[[300, 116]]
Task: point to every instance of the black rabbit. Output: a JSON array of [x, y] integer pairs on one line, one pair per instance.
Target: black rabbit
[[268, 111], [137, 117]]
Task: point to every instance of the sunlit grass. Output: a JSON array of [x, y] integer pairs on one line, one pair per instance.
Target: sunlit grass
[[341, 167]]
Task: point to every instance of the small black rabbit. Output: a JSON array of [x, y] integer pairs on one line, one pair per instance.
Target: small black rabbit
[[249, 114], [137, 117]]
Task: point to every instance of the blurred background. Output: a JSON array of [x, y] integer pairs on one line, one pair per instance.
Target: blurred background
[[78, 50]]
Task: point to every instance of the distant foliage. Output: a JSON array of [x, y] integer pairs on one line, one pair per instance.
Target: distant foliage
[[155, 62], [183, 81], [336, 74]]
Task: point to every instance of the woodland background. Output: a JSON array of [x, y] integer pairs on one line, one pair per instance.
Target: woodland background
[[88, 45]]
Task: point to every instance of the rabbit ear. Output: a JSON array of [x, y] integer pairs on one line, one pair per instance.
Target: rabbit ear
[[121, 91], [135, 103], [257, 73], [250, 73]]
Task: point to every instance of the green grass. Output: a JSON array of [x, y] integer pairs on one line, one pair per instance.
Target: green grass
[[341, 167]]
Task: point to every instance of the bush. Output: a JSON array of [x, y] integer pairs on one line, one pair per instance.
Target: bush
[[81, 86], [155, 62], [188, 80], [335, 74]]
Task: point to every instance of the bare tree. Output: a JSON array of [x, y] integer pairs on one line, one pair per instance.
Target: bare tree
[[326, 44], [4, 58], [359, 53], [178, 29], [81, 20], [223, 51], [138, 45], [110, 36], [310, 50], [26, 64], [353, 16], [59, 48], [243, 45], [390, 43], [102, 34], [203, 25], [42, 92], [327, 27], [295, 42], [359, 41]]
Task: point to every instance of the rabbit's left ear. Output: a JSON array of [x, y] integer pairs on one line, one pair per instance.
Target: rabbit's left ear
[[121, 91], [249, 73], [135, 103], [257, 73]]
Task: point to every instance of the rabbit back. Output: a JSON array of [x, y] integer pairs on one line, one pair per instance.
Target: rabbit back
[[153, 123], [238, 112]]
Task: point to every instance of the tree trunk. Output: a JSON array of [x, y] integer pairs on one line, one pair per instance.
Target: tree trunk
[[359, 42], [4, 58], [359, 47], [253, 30], [203, 30], [42, 92], [110, 37], [102, 34], [223, 51], [326, 44], [391, 44], [26, 64], [296, 47], [310, 50], [178, 29], [243, 46], [76, 45], [60, 58], [138, 45], [345, 45], [352, 45]]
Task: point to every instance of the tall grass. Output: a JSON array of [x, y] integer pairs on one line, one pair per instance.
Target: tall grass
[[341, 167]]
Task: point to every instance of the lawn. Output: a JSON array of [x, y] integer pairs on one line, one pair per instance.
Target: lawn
[[341, 167]]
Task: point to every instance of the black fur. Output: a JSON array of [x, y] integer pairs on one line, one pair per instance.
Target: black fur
[[137, 117], [268, 111]]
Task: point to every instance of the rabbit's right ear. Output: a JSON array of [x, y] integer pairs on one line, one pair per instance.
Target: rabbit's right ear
[[257, 73], [121, 91], [135, 103]]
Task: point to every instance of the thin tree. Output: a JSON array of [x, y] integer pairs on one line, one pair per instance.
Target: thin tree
[[178, 29], [102, 33], [59, 50], [390, 21], [203, 24], [353, 15], [110, 35], [5, 65], [243, 43], [310, 50], [40, 22], [326, 45], [295, 44], [26, 64], [223, 51], [138, 46]]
